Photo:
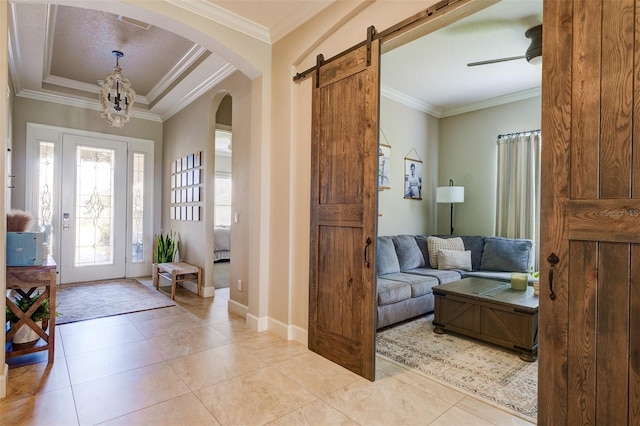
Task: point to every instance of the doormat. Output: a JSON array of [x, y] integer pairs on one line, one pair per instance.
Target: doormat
[[97, 299], [487, 372]]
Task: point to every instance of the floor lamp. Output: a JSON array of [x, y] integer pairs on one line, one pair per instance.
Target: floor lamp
[[450, 194]]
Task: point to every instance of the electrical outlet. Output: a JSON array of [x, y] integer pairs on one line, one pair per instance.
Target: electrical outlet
[[239, 285]]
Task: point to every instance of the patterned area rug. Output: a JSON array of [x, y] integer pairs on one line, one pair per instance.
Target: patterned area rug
[[96, 299], [485, 371]]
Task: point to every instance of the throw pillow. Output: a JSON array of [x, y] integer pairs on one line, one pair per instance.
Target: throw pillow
[[386, 258], [434, 244], [454, 259], [506, 254], [409, 254]]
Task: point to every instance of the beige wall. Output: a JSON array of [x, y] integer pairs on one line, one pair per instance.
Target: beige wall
[[192, 130], [415, 134], [468, 155]]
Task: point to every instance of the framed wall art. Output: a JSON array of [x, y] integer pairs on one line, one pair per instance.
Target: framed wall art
[[384, 167], [412, 179]]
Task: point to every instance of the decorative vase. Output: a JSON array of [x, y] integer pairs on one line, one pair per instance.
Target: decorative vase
[[519, 281]]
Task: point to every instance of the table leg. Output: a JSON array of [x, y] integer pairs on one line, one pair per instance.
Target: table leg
[[199, 281], [156, 275], [174, 276]]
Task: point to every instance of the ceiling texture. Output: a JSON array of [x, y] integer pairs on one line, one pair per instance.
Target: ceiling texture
[[61, 53]]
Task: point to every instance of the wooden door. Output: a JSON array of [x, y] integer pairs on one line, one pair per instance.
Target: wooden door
[[589, 345], [344, 161]]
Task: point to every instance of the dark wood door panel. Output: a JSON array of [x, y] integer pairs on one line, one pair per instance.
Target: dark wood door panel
[[589, 352], [344, 166]]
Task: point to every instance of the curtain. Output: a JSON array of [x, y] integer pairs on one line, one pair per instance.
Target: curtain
[[518, 192]]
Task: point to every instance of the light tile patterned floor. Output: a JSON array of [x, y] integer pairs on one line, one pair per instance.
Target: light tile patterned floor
[[196, 364]]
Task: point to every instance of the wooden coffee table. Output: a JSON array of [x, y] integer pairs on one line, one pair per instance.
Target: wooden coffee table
[[490, 311]]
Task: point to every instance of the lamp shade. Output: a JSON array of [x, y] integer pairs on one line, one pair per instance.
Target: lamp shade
[[450, 194]]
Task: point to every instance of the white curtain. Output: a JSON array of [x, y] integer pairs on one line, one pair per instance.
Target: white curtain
[[518, 192]]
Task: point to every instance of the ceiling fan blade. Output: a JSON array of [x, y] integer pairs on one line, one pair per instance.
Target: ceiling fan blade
[[493, 61]]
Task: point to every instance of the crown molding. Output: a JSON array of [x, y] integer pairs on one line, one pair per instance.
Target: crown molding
[[217, 77], [176, 71], [14, 53], [224, 17], [488, 103], [80, 103], [409, 101], [439, 113], [84, 87]]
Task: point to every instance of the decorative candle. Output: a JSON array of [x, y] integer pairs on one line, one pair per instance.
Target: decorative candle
[[519, 281]]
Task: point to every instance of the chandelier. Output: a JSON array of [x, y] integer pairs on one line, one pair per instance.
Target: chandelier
[[117, 96]]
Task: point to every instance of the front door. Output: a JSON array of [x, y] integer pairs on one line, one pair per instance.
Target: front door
[[589, 345], [93, 209], [344, 161]]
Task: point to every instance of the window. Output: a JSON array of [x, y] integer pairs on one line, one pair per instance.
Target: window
[[222, 201], [518, 190]]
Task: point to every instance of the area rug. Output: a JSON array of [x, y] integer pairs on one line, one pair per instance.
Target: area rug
[[485, 371], [96, 299]]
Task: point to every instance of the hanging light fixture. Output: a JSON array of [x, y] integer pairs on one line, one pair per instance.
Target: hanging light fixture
[[117, 96]]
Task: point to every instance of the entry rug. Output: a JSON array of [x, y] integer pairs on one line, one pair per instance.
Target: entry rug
[[96, 299], [485, 371]]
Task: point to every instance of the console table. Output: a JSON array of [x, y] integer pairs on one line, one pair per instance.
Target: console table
[[26, 280], [490, 311]]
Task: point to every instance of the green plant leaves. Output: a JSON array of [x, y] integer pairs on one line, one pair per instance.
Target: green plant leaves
[[166, 247]]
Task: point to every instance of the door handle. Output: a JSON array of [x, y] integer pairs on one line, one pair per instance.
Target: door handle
[[366, 252], [553, 261]]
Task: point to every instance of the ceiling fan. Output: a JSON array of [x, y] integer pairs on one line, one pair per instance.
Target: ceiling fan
[[533, 51]]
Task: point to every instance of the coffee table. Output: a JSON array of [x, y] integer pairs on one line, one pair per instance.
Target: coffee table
[[490, 311]]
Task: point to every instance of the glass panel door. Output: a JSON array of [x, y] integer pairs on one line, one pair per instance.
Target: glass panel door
[[93, 209]]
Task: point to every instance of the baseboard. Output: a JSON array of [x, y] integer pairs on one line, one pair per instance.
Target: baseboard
[[299, 334], [208, 291], [238, 309], [256, 323], [280, 329], [4, 377]]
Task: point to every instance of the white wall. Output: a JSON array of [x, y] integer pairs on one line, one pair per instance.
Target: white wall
[[468, 155], [415, 134]]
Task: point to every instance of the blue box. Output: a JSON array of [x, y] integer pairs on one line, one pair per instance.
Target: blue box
[[25, 248]]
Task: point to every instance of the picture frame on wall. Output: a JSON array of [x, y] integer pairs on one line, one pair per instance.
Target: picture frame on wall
[[384, 167], [412, 179]]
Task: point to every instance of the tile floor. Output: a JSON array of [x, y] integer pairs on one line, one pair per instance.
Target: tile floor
[[196, 364]]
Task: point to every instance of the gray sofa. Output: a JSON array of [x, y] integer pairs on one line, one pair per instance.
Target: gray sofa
[[406, 275]]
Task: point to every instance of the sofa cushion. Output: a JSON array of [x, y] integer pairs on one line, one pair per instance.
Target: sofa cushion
[[390, 291], [454, 259], [408, 252], [475, 243], [506, 254], [386, 258], [442, 275], [421, 240], [420, 284], [434, 244]]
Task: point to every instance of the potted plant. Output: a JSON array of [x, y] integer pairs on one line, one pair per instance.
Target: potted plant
[[166, 248], [25, 334]]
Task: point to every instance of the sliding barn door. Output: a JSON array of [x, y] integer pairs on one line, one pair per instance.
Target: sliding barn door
[[590, 253], [344, 161]]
